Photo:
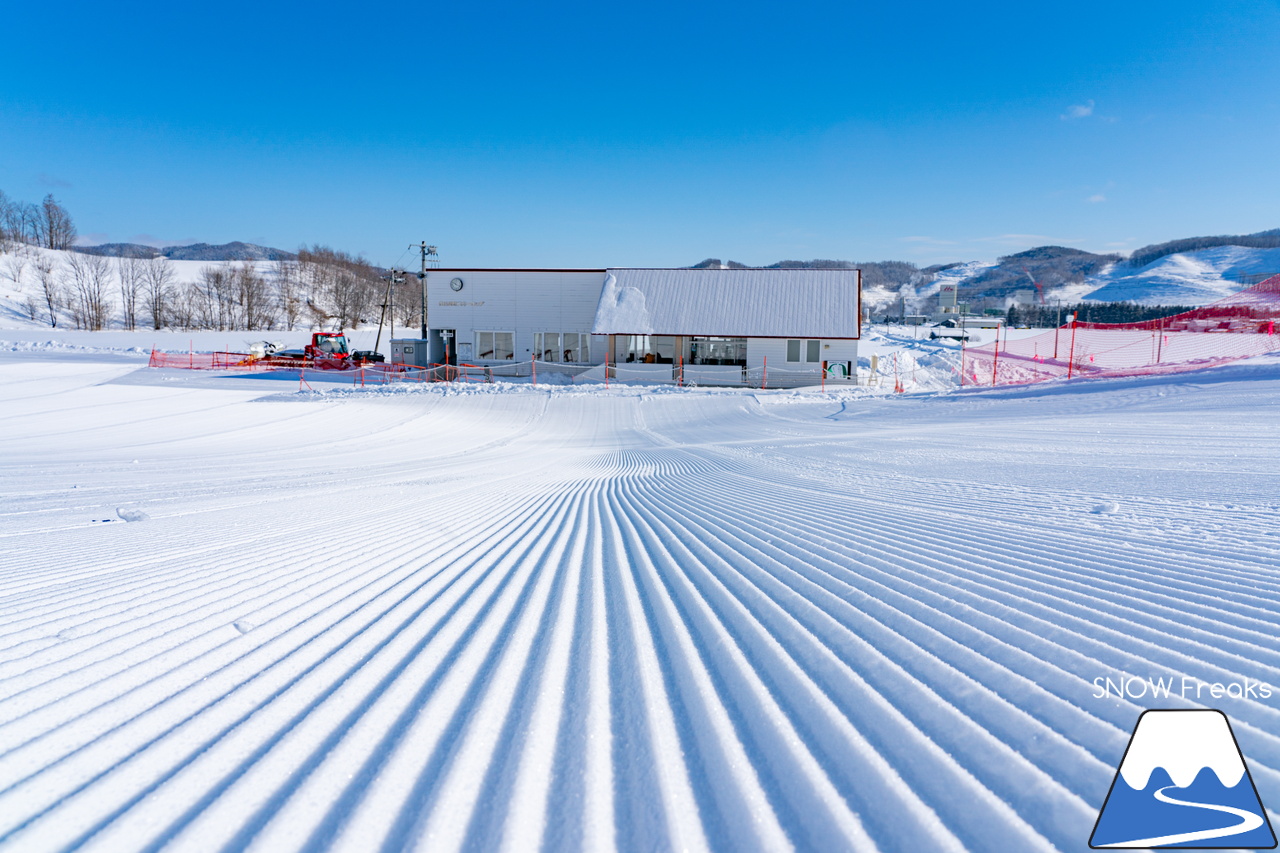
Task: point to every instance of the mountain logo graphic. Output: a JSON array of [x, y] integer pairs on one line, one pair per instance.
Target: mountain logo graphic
[[1183, 783]]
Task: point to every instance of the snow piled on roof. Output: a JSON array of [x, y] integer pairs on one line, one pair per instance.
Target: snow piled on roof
[[732, 303], [622, 308]]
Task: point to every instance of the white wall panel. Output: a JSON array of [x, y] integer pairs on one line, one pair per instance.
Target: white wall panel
[[519, 301], [776, 351]]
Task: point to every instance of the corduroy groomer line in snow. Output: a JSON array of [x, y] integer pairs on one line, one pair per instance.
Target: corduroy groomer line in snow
[[234, 616]]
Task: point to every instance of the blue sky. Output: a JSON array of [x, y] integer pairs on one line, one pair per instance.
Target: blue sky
[[656, 134]]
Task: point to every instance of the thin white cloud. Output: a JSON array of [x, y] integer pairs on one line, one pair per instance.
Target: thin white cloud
[[1076, 111], [1096, 198]]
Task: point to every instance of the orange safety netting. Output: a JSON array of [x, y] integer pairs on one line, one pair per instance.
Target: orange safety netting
[[381, 371], [206, 360], [1238, 326]]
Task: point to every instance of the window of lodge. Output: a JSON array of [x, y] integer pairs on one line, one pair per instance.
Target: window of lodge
[[647, 349], [811, 350], [495, 346], [569, 347], [729, 351]]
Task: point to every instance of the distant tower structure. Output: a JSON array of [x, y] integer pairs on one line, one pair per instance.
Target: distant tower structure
[[949, 298]]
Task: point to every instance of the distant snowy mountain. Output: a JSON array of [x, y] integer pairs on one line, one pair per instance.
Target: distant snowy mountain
[[235, 251], [1190, 278], [1184, 278], [1190, 271]]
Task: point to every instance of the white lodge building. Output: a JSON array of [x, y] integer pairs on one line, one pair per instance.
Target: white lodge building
[[645, 323]]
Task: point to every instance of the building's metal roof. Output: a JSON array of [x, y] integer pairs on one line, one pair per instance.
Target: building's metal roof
[[753, 303]]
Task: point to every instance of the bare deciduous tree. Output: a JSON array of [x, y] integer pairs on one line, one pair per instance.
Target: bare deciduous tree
[[19, 222], [157, 276], [129, 269], [89, 277], [206, 303], [15, 263], [408, 301], [7, 234], [56, 230], [225, 298], [184, 306], [255, 303], [50, 288], [289, 295], [348, 284], [26, 223]]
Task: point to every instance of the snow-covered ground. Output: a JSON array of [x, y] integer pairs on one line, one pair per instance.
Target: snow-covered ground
[[236, 616]]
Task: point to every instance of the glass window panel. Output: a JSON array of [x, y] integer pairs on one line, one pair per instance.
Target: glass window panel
[[639, 348], [814, 353], [793, 350], [495, 346]]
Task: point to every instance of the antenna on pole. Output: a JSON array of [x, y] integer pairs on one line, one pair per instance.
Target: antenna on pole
[[429, 253]]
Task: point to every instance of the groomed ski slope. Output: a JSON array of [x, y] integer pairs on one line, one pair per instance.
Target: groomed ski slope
[[561, 619]]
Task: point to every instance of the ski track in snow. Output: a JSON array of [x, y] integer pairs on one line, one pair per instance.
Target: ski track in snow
[[680, 621]]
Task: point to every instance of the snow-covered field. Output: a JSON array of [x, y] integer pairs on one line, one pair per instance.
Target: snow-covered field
[[236, 616]]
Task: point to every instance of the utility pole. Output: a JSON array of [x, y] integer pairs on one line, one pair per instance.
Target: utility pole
[[394, 277], [426, 252]]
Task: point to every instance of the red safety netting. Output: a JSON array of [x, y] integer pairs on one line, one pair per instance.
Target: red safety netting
[[1239, 326]]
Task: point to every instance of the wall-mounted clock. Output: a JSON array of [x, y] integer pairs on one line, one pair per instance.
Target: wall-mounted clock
[[456, 284]]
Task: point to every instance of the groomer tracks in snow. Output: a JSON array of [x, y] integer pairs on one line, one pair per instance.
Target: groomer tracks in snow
[[591, 620]]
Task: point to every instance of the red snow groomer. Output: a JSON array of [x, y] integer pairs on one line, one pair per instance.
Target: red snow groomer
[[327, 351]]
